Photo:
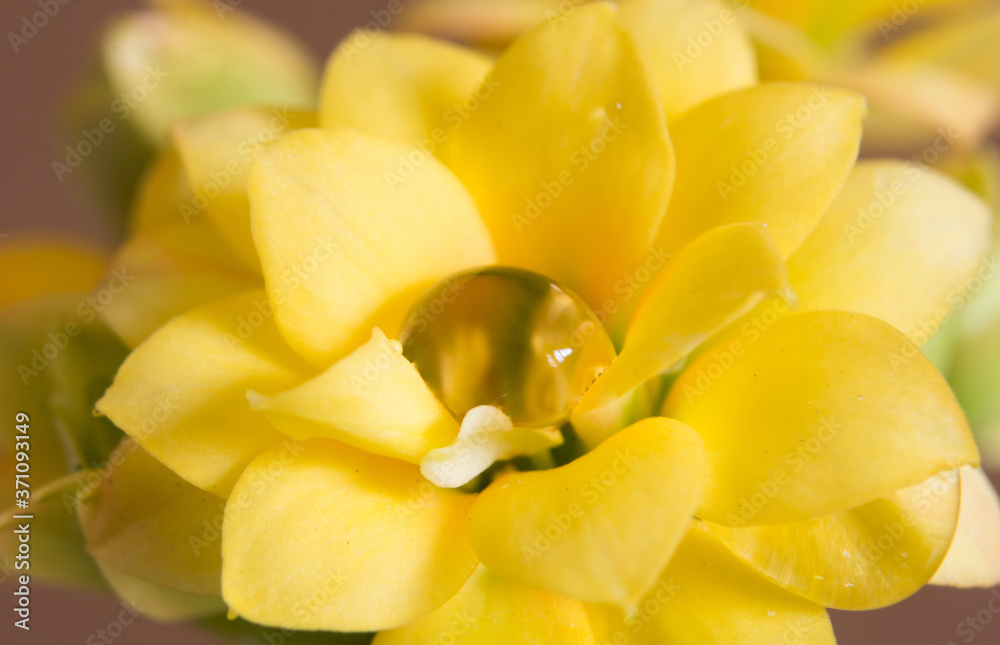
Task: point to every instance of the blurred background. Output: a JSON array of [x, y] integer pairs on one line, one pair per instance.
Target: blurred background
[[37, 78]]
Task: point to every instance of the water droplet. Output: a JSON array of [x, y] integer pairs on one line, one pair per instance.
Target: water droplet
[[508, 338]]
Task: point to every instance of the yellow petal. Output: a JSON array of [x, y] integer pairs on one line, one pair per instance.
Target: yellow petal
[[708, 596], [57, 546], [967, 45], [870, 556], [182, 60], [344, 245], [141, 596], [918, 110], [792, 408], [777, 154], [569, 157], [39, 267], [490, 610], [159, 197], [165, 276], [709, 284], [487, 435], [143, 519], [697, 49], [973, 559], [784, 52], [602, 527], [980, 173], [182, 393], [216, 152], [826, 21], [407, 88], [243, 631], [172, 263], [329, 537], [373, 399], [900, 243], [485, 23]]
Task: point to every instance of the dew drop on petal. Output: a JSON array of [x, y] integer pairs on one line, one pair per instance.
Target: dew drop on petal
[[509, 338]]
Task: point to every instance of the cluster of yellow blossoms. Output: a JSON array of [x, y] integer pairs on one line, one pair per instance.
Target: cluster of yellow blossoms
[[596, 339]]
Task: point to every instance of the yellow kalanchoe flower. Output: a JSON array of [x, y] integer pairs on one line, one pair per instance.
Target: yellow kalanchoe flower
[[361, 495]]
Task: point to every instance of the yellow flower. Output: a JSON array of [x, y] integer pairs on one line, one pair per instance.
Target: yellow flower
[[927, 68], [799, 440], [929, 73]]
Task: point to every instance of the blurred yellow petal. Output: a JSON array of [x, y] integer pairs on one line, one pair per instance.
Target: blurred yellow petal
[[783, 52], [182, 393], [407, 88], [373, 399], [329, 537], [487, 435], [973, 558], [697, 49], [145, 520], [140, 596], [172, 264], [777, 154], [569, 157], [900, 243], [827, 21], [967, 45], [485, 23], [45, 266], [182, 59], [708, 596], [168, 276], [870, 556], [917, 108], [346, 244], [602, 527], [790, 409], [216, 152], [57, 546], [709, 284], [490, 610], [160, 197], [980, 173]]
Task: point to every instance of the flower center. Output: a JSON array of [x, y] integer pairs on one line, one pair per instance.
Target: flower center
[[507, 338]]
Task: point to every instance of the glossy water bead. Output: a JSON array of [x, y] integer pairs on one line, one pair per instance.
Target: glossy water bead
[[508, 338]]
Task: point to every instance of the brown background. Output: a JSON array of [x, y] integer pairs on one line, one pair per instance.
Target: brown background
[[34, 80]]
